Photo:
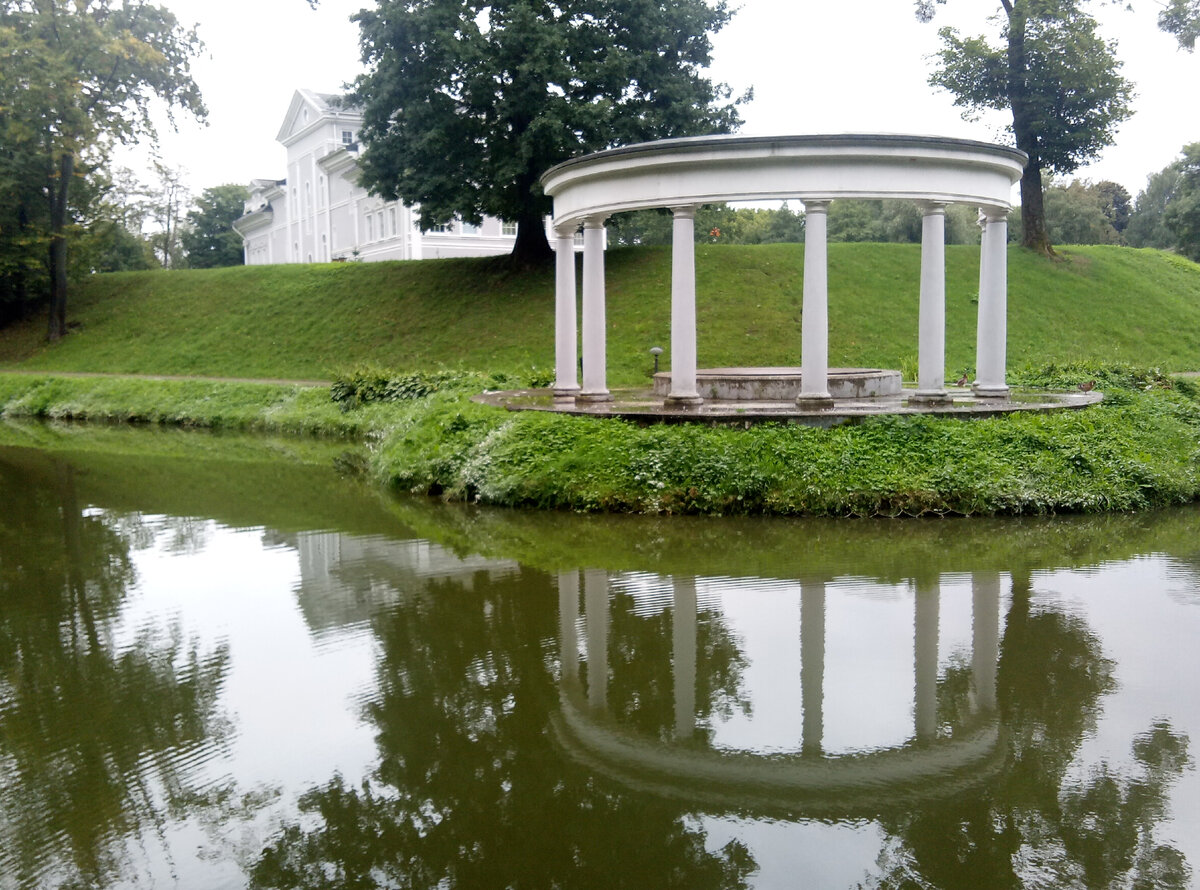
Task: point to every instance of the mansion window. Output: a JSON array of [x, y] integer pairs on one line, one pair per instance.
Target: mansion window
[[508, 228], [444, 228], [347, 137]]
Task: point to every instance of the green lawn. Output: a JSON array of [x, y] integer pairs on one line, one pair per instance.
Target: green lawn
[[1096, 303]]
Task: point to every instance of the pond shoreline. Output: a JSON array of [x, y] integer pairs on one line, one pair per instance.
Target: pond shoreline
[[1139, 450]]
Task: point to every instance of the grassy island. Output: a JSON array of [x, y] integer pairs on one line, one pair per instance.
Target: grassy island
[[443, 330]]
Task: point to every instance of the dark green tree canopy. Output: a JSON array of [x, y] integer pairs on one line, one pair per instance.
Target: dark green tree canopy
[[467, 103], [210, 240], [1058, 77], [1071, 93]]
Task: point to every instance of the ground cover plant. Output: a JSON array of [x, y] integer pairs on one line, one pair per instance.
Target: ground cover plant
[[1139, 449], [1142, 449]]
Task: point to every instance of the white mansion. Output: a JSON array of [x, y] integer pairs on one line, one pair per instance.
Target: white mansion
[[320, 213]]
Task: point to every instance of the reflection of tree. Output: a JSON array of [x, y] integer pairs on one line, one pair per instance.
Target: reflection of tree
[[640, 688], [84, 726], [1108, 819], [470, 790], [1097, 832]]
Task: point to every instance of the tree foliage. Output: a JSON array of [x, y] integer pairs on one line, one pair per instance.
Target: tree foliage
[[856, 220], [1147, 226], [895, 221], [1182, 214], [468, 102], [1083, 212], [715, 224], [1059, 79], [1181, 18], [1167, 212], [210, 240], [75, 76]]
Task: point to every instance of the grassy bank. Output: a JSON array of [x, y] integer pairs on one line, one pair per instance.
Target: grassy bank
[[1106, 303], [1140, 449], [1093, 314]]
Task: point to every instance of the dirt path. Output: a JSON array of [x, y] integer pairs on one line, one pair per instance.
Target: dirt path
[[267, 380]]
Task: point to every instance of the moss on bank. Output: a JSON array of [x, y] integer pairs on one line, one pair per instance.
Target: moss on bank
[[1139, 449]]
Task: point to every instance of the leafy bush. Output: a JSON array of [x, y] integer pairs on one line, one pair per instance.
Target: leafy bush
[[365, 385]]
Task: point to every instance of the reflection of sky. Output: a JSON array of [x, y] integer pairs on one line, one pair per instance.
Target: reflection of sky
[[1153, 635], [294, 702], [869, 660], [804, 855], [293, 705]]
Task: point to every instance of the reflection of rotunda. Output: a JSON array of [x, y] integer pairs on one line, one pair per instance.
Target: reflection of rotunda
[[940, 753]]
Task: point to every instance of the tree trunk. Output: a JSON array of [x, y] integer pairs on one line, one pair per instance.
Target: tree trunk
[[532, 248], [1033, 211], [21, 275], [58, 249]]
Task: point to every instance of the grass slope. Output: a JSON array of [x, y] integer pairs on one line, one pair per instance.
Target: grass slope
[[1097, 303]]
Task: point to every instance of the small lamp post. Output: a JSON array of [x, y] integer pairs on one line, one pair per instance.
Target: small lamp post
[[656, 351]]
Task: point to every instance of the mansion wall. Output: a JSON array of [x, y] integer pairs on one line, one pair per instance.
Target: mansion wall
[[320, 214]]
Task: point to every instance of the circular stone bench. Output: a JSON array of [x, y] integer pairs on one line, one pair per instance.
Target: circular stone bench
[[783, 384]]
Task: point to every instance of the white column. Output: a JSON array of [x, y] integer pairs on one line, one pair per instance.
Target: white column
[[814, 337], [931, 361], [595, 595], [566, 380], [416, 239], [985, 637], [568, 617], [992, 327], [595, 374], [683, 309], [925, 659], [683, 655], [812, 665]]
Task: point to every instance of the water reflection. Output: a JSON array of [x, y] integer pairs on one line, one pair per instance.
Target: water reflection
[[952, 741], [593, 703], [468, 790], [74, 791]]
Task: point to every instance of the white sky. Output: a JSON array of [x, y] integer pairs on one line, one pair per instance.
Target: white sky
[[816, 67]]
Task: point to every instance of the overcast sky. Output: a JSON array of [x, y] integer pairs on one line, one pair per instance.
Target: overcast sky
[[815, 68]]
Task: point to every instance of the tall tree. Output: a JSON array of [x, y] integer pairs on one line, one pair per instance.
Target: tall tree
[[1058, 77], [79, 72], [468, 102], [167, 211], [1182, 214], [1147, 228], [210, 240]]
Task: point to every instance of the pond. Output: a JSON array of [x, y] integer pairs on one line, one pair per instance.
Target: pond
[[220, 670]]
